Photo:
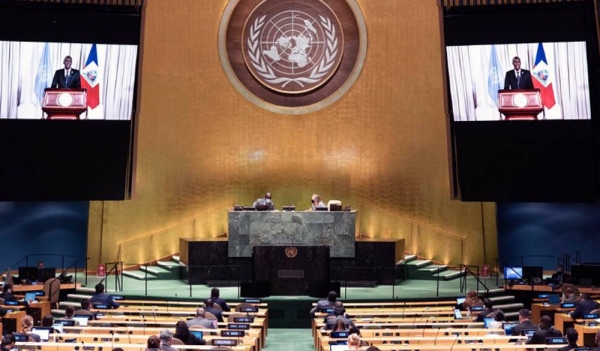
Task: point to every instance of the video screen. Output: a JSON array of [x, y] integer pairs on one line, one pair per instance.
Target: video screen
[[68, 99], [106, 71], [522, 95], [559, 70]]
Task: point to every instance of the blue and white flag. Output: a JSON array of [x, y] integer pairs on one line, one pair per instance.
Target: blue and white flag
[[494, 76], [43, 79]]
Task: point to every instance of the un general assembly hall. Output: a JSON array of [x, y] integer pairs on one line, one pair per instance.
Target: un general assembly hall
[[300, 175]]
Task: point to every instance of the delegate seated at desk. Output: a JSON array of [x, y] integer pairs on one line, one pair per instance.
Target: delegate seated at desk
[[584, 306], [101, 298], [265, 201]]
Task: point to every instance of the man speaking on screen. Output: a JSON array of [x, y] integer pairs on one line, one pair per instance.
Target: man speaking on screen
[[67, 77], [518, 78]]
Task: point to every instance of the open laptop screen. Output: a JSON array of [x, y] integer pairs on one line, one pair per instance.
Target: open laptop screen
[[30, 296], [43, 332], [83, 321]]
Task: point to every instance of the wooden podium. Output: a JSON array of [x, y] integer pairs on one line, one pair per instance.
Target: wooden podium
[[64, 103], [520, 104]]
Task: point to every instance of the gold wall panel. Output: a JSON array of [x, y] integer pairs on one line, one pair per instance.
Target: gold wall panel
[[202, 147]]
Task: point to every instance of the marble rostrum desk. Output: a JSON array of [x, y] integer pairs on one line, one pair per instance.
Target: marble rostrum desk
[[248, 229]]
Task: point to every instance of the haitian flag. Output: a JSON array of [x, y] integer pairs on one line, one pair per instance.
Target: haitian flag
[[90, 79], [542, 79]]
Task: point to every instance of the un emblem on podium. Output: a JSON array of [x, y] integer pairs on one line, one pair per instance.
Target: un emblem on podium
[[292, 56], [291, 251]]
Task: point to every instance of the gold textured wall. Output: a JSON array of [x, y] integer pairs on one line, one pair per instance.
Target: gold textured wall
[[201, 147]]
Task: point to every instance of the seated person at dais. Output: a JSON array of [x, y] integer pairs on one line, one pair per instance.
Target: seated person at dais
[[560, 276], [316, 202], [264, 201]]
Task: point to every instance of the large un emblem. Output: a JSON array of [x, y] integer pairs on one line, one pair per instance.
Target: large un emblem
[[293, 49], [292, 56]]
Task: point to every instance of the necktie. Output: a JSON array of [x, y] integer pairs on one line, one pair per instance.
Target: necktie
[[67, 78], [518, 79]]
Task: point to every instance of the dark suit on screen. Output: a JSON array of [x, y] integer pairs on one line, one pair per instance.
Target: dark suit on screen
[[524, 82], [71, 82]]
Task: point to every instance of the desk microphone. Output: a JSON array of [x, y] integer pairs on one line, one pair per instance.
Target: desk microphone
[[436, 336], [154, 314], [425, 325], [129, 333], [454, 342], [112, 333], [167, 301]]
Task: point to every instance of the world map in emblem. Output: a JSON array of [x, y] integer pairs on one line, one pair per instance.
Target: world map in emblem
[[293, 50]]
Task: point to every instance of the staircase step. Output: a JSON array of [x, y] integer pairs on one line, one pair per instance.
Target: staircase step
[[63, 304], [139, 275], [407, 259], [433, 269], [176, 258], [171, 266], [419, 263], [157, 271], [502, 299], [90, 291], [509, 306], [453, 274], [78, 297]]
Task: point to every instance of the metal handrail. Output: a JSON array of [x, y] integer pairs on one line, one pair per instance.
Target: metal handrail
[[118, 274], [476, 276]]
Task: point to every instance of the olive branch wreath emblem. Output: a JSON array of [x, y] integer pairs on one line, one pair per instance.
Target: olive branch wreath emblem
[[266, 71]]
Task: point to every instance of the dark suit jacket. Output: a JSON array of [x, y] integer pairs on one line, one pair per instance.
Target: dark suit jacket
[[568, 347], [510, 81], [539, 337], [104, 299], [59, 80], [219, 301], [217, 313], [584, 307], [523, 326]]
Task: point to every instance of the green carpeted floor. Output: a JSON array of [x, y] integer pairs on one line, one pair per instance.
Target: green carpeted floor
[[290, 340], [178, 290]]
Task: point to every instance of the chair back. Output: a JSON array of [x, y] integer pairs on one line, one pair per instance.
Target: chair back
[[177, 341], [231, 317], [52, 290], [209, 315], [239, 307], [217, 307]]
